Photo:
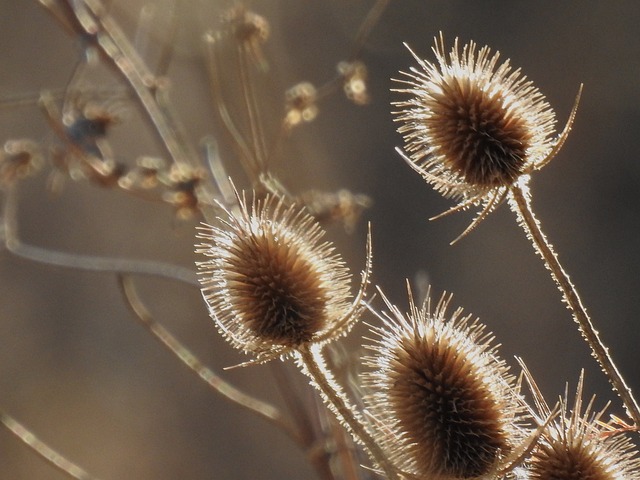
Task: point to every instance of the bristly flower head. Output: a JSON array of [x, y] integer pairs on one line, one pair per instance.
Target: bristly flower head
[[270, 284], [446, 406], [579, 446], [473, 127]]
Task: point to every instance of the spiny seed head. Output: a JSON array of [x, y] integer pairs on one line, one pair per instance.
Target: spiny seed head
[[446, 405], [270, 283], [473, 127], [578, 446]]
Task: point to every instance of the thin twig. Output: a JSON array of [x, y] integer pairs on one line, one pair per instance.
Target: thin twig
[[45, 451], [367, 25], [9, 236], [313, 365], [520, 202], [219, 385]]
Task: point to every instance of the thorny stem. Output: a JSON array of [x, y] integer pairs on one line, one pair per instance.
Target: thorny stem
[[519, 200], [229, 392], [38, 446], [314, 366]]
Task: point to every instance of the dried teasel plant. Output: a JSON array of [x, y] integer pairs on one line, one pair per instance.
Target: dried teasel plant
[[443, 402], [476, 130], [272, 284], [274, 290], [578, 444], [271, 279]]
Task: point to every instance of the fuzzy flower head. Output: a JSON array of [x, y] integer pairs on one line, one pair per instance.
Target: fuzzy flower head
[[271, 284], [446, 405], [473, 127], [579, 446]]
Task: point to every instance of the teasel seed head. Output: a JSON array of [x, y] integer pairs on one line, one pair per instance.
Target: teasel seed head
[[577, 445], [446, 405], [271, 284], [473, 127]]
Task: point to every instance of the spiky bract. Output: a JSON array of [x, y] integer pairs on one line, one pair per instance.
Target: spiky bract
[[446, 406], [578, 446], [270, 283]]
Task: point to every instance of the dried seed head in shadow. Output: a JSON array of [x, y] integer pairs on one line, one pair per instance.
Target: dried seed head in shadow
[[578, 446], [473, 127], [271, 284], [446, 406]]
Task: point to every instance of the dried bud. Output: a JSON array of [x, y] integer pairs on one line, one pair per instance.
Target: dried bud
[[354, 77], [473, 127], [446, 406], [578, 446], [341, 206], [19, 159], [300, 104], [183, 182], [271, 285], [250, 30]]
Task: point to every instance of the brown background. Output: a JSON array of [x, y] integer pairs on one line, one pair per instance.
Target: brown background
[[80, 373]]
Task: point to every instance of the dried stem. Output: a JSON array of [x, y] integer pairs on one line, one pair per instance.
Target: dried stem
[[89, 19], [315, 448], [9, 236], [314, 366], [520, 202], [229, 392], [38, 446]]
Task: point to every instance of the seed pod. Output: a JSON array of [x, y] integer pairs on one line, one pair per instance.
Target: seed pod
[[446, 405], [271, 284], [579, 446], [473, 127]]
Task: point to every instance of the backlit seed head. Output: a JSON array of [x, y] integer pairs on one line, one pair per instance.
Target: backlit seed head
[[473, 127], [446, 405], [578, 446], [270, 283]]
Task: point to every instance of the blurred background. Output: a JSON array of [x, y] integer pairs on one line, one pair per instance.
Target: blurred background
[[91, 382]]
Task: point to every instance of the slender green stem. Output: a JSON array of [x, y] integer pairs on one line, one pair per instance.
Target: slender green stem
[[45, 451], [314, 366], [519, 200]]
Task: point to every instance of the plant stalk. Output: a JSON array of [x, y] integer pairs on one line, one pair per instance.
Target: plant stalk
[[520, 202], [313, 365]]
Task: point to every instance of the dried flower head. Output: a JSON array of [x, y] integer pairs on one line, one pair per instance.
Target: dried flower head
[[447, 407], [578, 446], [271, 285], [473, 127]]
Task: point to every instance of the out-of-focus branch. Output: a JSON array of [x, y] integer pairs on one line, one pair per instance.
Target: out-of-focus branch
[[89, 20], [218, 384], [9, 236], [45, 451]]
